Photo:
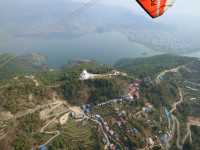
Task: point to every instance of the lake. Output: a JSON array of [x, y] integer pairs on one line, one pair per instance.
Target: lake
[[107, 47]]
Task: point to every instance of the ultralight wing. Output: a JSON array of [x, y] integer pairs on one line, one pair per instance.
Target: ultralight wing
[[155, 8]]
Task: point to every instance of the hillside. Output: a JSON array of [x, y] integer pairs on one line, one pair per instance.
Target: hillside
[[121, 106], [91, 91], [151, 65], [11, 64]]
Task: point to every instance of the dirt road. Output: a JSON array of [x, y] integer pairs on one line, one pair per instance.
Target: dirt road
[[174, 106], [191, 122], [55, 133], [160, 75], [175, 123]]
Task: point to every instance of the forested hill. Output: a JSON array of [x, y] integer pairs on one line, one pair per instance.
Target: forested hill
[[11, 64], [152, 65]]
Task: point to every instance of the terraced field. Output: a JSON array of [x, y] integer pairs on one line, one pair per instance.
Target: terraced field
[[80, 136]]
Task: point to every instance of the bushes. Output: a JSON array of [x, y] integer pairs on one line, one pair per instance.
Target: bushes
[[102, 90], [90, 91], [22, 143], [30, 123], [14, 98], [151, 65]]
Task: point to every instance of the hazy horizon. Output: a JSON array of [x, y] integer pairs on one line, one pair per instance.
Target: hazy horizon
[[103, 29]]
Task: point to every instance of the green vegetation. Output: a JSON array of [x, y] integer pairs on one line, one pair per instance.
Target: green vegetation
[[196, 141], [79, 136], [163, 94], [12, 65], [91, 91], [16, 95], [24, 135], [21, 93], [50, 78], [151, 65]]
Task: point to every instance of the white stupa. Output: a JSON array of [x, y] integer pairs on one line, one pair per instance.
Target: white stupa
[[86, 76]]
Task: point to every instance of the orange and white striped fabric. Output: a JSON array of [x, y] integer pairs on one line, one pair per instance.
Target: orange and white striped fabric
[[155, 8]]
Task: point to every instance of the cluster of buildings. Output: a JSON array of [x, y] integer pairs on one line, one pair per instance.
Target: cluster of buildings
[[120, 120], [42, 147], [132, 131], [110, 101], [105, 125], [148, 107], [164, 138], [109, 132], [133, 89], [152, 142], [87, 108]]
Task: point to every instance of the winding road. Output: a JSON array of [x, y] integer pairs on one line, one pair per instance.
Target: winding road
[[104, 133], [174, 106], [160, 75], [191, 122], [56, 133], [175, 123]]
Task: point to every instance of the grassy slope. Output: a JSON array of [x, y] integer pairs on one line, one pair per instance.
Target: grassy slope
[[151, 65], [11, 65]]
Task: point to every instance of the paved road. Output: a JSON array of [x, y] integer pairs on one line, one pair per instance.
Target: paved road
[[104, 133], [178, 144], [172, 133], [175, 123]]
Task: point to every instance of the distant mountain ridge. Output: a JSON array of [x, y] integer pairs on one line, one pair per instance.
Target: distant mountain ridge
[[63, 20]]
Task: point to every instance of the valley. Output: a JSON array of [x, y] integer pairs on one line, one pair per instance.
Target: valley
[[120, 109]]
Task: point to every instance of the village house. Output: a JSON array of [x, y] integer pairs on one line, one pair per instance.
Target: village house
[[133, 90], [147, 108]]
